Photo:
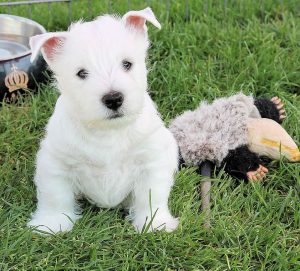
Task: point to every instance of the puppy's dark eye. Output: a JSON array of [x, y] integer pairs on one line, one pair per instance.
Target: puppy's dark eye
[[126, 65], [82, 74]]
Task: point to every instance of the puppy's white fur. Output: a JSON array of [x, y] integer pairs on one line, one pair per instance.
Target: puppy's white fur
[[86, 151]]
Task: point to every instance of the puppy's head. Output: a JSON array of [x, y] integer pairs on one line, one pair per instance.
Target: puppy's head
[[100, 65]]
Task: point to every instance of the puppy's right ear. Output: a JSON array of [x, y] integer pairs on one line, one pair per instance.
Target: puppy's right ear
[[49, 43]]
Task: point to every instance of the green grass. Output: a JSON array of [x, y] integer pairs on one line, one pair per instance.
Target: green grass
[[205, 50]]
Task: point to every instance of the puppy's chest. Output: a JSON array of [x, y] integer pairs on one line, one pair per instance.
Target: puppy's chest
[[106, 171]]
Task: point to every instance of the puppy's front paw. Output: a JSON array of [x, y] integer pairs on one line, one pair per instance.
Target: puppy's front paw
[[159, 221], [171, 224], [45, 224]]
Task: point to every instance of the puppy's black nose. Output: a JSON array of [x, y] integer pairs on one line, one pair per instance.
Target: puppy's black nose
[[113, 100]]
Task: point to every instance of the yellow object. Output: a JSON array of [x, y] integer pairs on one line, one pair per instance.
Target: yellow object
[[267, 137], [17, 79]]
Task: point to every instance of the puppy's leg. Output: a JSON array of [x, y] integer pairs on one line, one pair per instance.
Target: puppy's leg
[[151, 203], [56, 203], [151, 192]]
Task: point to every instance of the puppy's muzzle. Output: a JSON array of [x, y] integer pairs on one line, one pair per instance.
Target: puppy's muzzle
[[113, 100]]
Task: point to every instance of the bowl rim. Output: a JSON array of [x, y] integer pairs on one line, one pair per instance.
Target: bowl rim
[[25, 20]]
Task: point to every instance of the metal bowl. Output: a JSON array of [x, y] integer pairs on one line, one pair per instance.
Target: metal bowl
[[17, 74]]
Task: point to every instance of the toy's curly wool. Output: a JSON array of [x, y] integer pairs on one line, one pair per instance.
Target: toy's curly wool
[[212, 130]]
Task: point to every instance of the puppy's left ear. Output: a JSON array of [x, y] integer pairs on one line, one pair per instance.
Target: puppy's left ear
[[137, 19]]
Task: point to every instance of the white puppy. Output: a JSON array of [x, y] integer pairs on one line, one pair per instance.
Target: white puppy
[[105, 139]]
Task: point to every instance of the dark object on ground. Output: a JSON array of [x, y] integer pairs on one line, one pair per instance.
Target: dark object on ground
[[17, 73]]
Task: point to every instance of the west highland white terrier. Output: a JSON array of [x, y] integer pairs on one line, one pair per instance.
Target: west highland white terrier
[[105, 139]]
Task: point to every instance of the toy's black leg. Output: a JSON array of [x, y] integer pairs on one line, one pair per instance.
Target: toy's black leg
[[271, 109], [240, 161], [205, 168]]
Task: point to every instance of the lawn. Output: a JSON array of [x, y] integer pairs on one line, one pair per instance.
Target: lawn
[[205, 50]]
